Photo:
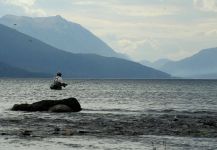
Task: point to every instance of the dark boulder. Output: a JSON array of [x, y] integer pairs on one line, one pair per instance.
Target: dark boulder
[[45, 105], [60, 108], [58, 86]]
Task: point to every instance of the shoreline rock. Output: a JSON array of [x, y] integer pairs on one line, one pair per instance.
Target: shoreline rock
[[60, 108], [64, 105]]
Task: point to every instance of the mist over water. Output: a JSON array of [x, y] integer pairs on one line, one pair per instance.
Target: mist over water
[[107, 100]]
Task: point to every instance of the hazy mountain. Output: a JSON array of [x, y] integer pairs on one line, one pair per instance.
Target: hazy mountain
[[161, 62], [145, 63], [201, 64], [156, 64], [10, 71], [60, 33], [28, 53], [204, 76]]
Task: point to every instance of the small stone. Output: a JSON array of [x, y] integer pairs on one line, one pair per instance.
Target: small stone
[[175, 118], [26, 132], [185, 126], [57, 129], [82, 131], [68, 132]]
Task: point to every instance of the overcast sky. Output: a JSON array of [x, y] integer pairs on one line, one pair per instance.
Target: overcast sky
[[143, 29]]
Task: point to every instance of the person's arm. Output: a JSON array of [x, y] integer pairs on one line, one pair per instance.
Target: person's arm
[[60, 79]]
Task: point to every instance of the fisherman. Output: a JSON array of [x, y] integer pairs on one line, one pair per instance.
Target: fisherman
[[58, 82], [58, 79]]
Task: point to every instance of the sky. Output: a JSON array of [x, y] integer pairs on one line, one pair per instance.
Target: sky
[[142, 29]]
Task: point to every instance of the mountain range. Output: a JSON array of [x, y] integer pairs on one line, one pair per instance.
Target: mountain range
[[43, 45], [10, 71], [22, 51], [201, 65], [60, 33]]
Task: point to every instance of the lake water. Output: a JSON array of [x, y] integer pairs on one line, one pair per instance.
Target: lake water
[[116, 103]]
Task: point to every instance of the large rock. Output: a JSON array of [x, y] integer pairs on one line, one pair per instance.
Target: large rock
[[45, 105], [58, 86], [60, 108]]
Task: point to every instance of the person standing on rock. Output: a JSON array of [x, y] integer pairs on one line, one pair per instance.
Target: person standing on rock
[[58, 82], [58, 78]]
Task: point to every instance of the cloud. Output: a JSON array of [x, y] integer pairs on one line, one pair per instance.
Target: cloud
[[20, 2], [89, 2], [26, 7], [207, 34], [212, 33], [206, 5], [145, 10], [139, 49], [127, 8]]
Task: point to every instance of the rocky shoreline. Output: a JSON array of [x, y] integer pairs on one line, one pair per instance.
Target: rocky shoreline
[[37, 124]]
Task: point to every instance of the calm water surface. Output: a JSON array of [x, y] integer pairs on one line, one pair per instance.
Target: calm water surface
[[111, 97]]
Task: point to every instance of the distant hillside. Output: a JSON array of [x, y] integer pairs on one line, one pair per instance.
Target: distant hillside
[[146, 63], [28, 53], [156, 64], [161, 62], [10, 71], [60, 33], [204, 76], [201, 64]]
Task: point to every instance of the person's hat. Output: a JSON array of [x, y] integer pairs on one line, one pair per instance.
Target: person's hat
[[59, 74]]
